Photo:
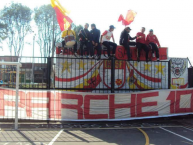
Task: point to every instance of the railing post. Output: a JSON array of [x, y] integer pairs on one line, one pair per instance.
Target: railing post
[[49, 67], [16, 98], [113, 75], [169, 74]]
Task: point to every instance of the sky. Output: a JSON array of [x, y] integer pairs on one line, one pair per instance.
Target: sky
[[171, 20]]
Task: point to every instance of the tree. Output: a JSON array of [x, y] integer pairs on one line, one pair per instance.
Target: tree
[[3, 32], [77, 30], [48, 30], [16, 17]]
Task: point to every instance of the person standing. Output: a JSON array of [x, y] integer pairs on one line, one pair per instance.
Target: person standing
[[125, 41], [141, 44], [95, 36], [84, 36], [105, 40], [69, 32], [152, 40]]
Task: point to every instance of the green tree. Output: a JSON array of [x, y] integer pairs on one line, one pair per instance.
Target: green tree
[[48, 30], [77, 30], [3, 32], [16, 17]]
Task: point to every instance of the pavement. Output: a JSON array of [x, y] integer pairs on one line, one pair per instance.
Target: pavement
[[161, 131]]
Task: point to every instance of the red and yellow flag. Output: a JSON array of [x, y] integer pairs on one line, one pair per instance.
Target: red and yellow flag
[[63, 20], [129, 17]]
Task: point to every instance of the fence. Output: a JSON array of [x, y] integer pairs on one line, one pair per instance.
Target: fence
[[89, 75], [72, 74], [16, 66]]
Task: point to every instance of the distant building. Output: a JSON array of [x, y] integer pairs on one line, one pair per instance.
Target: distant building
[[8, 73]]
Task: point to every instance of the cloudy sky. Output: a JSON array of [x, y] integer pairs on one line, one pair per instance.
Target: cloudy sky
[[171, 20]]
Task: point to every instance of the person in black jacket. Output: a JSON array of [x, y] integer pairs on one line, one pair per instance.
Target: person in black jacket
[[125, 41], [95, 35], [84, 36]]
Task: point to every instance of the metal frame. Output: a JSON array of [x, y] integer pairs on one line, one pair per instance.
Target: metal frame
[[18, 65]]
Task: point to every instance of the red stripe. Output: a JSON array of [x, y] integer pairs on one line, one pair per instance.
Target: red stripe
[[75, 78], [132, 75], [156, 80], [183, 86]]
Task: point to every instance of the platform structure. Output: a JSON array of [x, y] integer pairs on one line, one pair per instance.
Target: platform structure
[[102, 90], [119, 75]]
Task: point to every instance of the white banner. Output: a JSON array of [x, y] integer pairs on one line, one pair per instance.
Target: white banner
[[179, 73], [58, 105], [83, 73]]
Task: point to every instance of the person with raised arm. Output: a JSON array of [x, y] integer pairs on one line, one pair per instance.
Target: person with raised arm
[[125, 41]]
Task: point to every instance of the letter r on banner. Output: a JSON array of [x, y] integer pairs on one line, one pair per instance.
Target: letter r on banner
[[77, 106]]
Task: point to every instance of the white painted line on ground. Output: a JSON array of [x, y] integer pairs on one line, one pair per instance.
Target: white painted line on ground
[[55, 138], [188, 128], [177, 134]]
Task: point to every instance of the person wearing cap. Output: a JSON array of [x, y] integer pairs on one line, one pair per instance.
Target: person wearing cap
[[152, 40], [69, 32], [84, 36], [105, 40], [94, 37], [125, 41], [141, 44]]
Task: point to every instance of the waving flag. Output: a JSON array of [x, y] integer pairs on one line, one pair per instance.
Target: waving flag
[[63, 20], [128, 19]]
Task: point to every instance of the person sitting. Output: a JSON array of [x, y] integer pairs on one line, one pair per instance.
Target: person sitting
[[152, 40], [141, 44], [105, 40], [84, 36], [95, 36], [69, 32], [125, 41]]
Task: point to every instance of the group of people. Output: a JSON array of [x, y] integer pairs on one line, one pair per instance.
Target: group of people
[[93, 40]]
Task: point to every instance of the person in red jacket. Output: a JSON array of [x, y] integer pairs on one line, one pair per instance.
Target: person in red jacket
[[152, 40], [141, 44]]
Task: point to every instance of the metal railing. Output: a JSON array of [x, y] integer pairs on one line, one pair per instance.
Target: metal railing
[[91, 75]]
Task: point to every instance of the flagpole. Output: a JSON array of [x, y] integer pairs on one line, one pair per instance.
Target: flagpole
[[53, 31]]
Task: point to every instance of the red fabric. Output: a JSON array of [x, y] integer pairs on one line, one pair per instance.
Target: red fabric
[[120, 18], [61, 17], [129, 18], [141, 40], [104, 33], [153, 39]]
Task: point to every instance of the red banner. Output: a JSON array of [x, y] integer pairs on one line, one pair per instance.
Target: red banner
[[121, 53], [57, 105]]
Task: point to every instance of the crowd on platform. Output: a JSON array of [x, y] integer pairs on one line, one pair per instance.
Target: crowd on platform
[[93, 40]]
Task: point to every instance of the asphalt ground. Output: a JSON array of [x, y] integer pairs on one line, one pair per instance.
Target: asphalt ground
[[161, 131]]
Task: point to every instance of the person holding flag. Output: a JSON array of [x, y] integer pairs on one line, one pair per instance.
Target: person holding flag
[[105, 40], [152, 40], [141, 44], [125, 41]]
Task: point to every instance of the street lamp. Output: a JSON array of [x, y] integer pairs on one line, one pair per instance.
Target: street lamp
[[34, 37]]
